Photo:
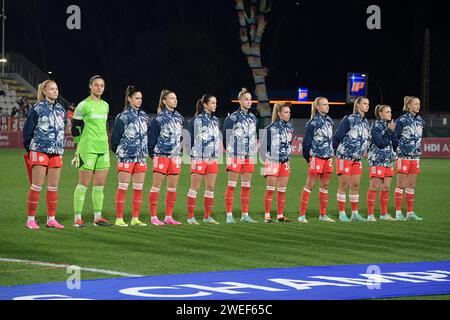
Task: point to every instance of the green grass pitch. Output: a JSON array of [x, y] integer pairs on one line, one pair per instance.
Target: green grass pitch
[[186, 249]]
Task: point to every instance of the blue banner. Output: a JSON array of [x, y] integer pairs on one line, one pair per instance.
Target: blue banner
[[342, 282], [357, 86]]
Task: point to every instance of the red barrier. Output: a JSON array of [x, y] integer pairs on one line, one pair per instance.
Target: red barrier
[[436, 148], [10, 139]]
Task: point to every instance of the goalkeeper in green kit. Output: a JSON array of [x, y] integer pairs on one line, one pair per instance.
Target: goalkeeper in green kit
[[92, 155]]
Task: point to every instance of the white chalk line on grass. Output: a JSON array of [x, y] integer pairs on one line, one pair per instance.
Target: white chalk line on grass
[[50, 264]]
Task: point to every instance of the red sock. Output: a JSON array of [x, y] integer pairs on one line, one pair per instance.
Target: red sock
[[191, 203], [341, 199], [153, 200], [136, 202], [371, 198], [306, 194], [171, 198], [208, 203], [323, 200], [120, 201], [229, 196], [52, 201], [33, 199], [384, 202], [398, 196], [268, 197], [245, 198], [354, 202], [409, 194], [281, 199]]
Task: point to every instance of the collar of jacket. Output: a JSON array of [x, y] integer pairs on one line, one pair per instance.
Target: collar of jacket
[[359, 115], [134, 109], [243, 111], [383, 122], [209, 115], [169, 112], [324, 117], [282, 122], [412, 115], [48, 103]]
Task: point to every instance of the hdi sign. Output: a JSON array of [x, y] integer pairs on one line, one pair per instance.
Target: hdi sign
[[327, 282]]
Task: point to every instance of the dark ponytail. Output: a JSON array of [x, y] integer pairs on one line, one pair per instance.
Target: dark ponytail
[[129, 93], [203, 100]]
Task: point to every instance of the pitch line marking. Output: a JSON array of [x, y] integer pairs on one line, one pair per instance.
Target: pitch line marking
[[50, 264]]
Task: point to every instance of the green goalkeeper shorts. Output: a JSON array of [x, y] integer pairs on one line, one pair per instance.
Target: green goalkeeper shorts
[[93, 161]]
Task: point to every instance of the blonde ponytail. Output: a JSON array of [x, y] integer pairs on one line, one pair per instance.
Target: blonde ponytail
[[277, 108], [379, 108], [357, 101], [40, 90], [243, 91], [406, 101], [315, 105]]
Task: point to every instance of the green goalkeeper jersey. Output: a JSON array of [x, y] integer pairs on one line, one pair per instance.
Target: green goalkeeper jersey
[[94, 137]]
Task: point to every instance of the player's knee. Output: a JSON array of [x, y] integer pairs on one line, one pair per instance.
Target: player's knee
[[324, 185]]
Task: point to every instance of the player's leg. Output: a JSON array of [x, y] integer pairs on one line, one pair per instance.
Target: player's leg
[[158, 179], [325, 179], [344, 184], [371, 197], [53, 177], [210, 184], [410, 195], [99, 181], [281, 198], [311, 181], [37, 181], [402, 179], [271, 186], [355, 182], [191, 199], [171, 197], [121, 193], [384, 199], [245, 197], [136, 198], [84, 180], [229, 194]]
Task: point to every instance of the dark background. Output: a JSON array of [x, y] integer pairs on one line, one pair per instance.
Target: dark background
[[193, 47]]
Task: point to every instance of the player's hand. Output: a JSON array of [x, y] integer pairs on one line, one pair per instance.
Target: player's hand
[[391, 125], [75, 161]]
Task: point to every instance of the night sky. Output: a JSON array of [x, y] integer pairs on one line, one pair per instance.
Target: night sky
[[193, 47]]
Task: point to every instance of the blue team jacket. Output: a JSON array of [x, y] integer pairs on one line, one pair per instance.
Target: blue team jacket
[[279, 136], [205, 137], [165, 134], [318, 138], [44, 128], [382, 145], [239, 134], [129, 139], [409, 131], [351, 138]]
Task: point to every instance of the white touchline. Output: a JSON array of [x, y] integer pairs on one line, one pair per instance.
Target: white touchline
[[49, 264]]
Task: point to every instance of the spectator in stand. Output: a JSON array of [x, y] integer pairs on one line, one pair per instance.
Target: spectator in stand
[[69, 116], [24, 107], [15, 112], [3, 112]]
